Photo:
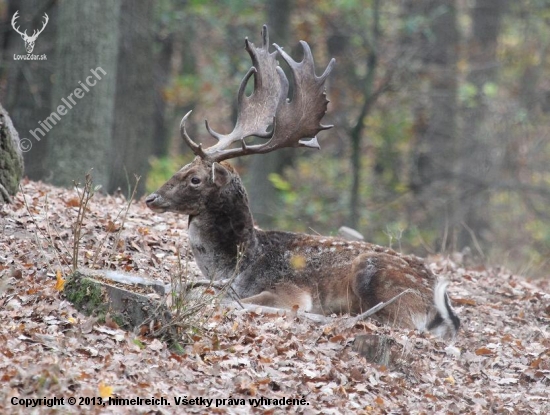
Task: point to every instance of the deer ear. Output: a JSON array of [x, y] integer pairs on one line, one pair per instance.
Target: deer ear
[[220, 175]]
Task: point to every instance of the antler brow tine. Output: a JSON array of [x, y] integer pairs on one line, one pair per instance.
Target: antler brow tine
[[196, 148]]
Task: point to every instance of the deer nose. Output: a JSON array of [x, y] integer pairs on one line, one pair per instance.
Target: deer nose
[[151, 198]]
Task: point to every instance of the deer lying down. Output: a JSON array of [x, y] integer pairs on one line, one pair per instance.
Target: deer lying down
[[282, 269]]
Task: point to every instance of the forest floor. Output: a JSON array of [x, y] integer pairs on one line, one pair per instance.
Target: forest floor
[[499, 362]]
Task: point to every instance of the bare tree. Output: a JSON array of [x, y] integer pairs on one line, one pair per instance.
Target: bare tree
[[435, 147], [369, 97], [477, 168], [87, 45], [133, 120]]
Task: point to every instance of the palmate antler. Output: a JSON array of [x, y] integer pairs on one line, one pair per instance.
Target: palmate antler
[[292, 121]]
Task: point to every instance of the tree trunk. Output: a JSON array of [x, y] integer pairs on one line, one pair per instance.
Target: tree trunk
[[356, 133], [134, 103], [85, 84], [434, 158], [263, 196], [476, 167], [29, 85], [11, 160], [161, 78]]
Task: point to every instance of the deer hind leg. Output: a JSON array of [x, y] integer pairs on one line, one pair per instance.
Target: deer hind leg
[[283, 295], [378, 277]]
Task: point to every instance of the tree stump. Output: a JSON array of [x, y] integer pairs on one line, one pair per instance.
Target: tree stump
[[11, 159], [123, 296], [377, 348]]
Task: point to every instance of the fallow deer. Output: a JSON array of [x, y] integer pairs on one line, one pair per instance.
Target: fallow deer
[[281, 269]]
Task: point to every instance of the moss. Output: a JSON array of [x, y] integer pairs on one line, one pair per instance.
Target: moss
[[93, 298], [11, 161], [175, 346], [126, 308], [120, 320], [86, 295]]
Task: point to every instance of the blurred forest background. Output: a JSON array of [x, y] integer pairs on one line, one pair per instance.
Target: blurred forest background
[[441, 111]]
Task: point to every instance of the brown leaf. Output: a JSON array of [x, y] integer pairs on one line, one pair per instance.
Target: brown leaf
[[109, 322], [337, 338], [483, 351], [356, 374], [16, 273], [111, 227], [73, 202], [464, 301]]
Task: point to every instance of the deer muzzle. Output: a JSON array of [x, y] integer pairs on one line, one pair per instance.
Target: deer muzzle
[[156, 203]]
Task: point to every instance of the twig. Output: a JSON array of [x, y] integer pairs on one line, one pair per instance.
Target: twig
[[424, 243], [380, 306], [85, 197], [352, 321], [261, 309], [50, 236], [38, 230], [474, 239], [318, 318], [117, 238], [204, 283]]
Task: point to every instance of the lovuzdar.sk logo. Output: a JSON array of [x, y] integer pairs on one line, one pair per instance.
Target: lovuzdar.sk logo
[[29, 40]]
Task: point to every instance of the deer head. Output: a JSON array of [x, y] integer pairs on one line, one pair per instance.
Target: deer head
[[267, 113], [29, 40]]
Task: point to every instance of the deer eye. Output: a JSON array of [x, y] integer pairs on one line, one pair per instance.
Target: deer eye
[[195, 180]]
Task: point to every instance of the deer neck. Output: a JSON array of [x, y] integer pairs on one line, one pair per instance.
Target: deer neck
[[217, 234]]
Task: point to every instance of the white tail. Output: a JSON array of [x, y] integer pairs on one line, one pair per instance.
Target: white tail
[[446, 322]]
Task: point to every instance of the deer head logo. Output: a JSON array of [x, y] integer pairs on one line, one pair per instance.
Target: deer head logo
[[29, 40]]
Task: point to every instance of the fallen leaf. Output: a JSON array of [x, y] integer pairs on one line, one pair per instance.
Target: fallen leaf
[[111, 227], [464, 301], [60, 281], [73, 202], [105, 391], [450, 380], [483, 351]]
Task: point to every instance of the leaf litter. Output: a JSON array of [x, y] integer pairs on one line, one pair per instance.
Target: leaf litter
[[500, 361]]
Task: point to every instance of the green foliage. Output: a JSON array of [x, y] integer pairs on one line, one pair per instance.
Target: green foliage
[[138, 343], [314, 193], [312, 197], [490, 89], [467, 93]]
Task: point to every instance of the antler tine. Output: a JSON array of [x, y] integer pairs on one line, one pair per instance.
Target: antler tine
[[196, 148], [13, 19], [300, 118], [240, 95], [37, 32], [293, 121], [255, 112]]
